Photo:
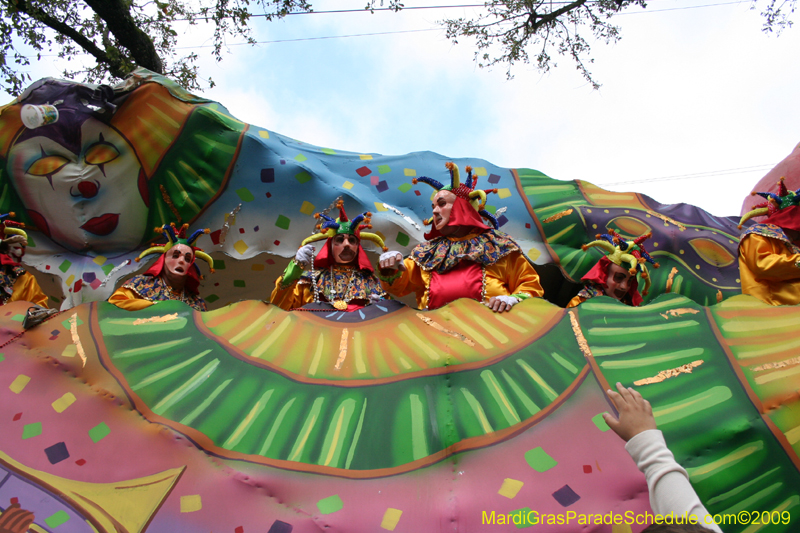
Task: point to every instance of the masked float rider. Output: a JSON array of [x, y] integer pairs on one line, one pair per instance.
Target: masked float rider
[[769, 252], [17, 284], [174, 276], [615, 273], [462, 256], [340, 274]]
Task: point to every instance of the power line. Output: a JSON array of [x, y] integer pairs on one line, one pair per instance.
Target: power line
[[709, 174]]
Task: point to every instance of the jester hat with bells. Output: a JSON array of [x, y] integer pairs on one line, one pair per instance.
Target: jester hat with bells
[[329, 228], [782, 209], [178, 236], [12, 233], [623, 253], [469, 205]]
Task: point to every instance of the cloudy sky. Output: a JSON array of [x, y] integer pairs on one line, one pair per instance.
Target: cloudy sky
[[696, 104]]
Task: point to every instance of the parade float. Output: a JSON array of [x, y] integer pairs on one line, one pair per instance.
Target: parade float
[[249, 418]]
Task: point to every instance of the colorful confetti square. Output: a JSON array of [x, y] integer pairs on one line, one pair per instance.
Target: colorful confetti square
[[99, 432], [19, 383], [60, 405], [283, 222], [267, 175], [405, 187], [64, 266], [539, 460], [566, 496], [510, 488], [390, 519], [57, 519], [56, 453], [300, 158], [382, 186], [409, 172], [402, 239], [303, 177], [347, 185], [307, 208], [99, 260], [245, 195], [363, 171], [600, 423], [384, 169], [241, 247], [191, 503], [329, 505], [31, 430]]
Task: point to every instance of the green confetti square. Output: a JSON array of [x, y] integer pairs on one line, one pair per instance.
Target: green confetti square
[[245, 195], [238, 283], [538, 459], [31, 243], [328, 151], [492, 209], [283, 222], [99, 432], [523, 518], [2, 358], [329, 505], [600, 423], [405, 187], [107, 268], [31, 430], [302, 177], [57, 519], [211, 298], [219, 264], [300, 158], [66, 325], [384, 169], [402, 239], [18, 318], [63, 267]]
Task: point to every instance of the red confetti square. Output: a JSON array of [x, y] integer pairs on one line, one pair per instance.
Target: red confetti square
[[417, 192], [80, 462], [215, 236], [14, 501], [276, 243], [216, 284], [363, 171], [587, 469], [269, 195], [241, 230], [47, 267], [17, 417], [270, 262], [239, 529], [528, 225]]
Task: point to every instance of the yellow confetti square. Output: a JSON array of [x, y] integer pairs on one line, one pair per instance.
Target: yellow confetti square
[[70, 279], [70, 351], [60, 405], [191, 503], [241, 247], [409, 172], [379, 207], [621, 528], [534, 254], [307, 208], [479, 171], [99, 260], [503, 193], [264, 134], [257, 267], [347, 185], [19, 383], [365, 157], [390, 518], [510, 487]]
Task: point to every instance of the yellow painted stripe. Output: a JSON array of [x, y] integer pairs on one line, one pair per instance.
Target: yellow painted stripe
[[500, 398], [749, 504], [778, 374], [274, 336], [477, 410], [419, 343], [419, 444], [531, 319], [681, 301], [553, 238], [546, 189], [653, 359], [356, 436], [759, 325], [538, 379], [358, 352], [275, 427], [198, 179], [699, 473], [746, 352], [509, 324], [793, 435], [466, 330], [252, 327], [168, 119], [162, 346], [182, 192], [524, 398], [152, 378], [563, 362], [188, 419], [156, 131], [601, 351], [312, 370], [222, 147], [740, 488], [248, 420], [690, 406], [494, 332], [308, 426], [613, 332], [785, 505], [332, 447], [180, 392]]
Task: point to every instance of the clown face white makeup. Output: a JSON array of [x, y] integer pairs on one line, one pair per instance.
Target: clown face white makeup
[[177, 261], [618, 281], [94, 199], [442, 206], [344, 248]]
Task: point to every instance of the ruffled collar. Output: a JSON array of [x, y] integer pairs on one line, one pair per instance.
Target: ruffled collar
[[773, 232], [443, 253]]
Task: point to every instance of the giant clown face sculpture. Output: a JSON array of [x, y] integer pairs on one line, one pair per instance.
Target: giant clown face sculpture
[[82, 190]]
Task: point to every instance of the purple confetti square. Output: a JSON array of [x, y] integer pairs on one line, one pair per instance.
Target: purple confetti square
[[89, 277], [55, 333], [268, 175], [494, 178], [502, 221], [57, 453], [382, 186], [283, 161], [280, 527], [255, 229], [566, 496]]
